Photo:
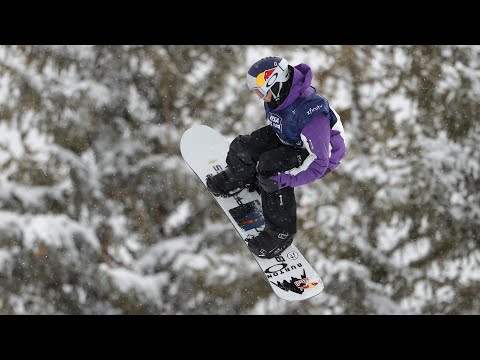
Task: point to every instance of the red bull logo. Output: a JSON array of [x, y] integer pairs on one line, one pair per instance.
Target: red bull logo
[[263, 76], [305, 283]]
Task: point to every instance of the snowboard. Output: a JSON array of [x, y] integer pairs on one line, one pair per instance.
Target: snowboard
[[290, 275]]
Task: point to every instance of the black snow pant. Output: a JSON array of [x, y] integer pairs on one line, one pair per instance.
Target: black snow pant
[[262, 151]]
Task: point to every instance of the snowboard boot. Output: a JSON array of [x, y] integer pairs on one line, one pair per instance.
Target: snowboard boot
[[270, 243], [225, 183]]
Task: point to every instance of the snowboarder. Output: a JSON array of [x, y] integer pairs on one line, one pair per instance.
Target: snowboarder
[[303, 141]]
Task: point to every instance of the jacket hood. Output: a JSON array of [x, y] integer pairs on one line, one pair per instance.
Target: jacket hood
[[302, 79]]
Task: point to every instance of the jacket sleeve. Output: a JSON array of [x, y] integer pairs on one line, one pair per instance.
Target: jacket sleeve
[[316, 139], [337, 141]]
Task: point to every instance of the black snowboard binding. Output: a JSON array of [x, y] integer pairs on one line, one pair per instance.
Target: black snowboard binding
[[226, 184], [270, 243]]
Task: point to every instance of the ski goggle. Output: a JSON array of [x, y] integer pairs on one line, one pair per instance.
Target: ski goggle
[[266, 79]]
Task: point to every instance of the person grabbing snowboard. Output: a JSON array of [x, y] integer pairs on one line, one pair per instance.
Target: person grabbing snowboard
[[303, 141]]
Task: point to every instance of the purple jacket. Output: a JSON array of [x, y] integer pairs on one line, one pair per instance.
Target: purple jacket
[[305, 119]]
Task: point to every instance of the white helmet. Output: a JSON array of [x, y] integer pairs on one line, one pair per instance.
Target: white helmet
[[267, 72]]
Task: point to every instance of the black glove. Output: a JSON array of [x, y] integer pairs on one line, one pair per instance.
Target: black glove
[[266, 184]]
